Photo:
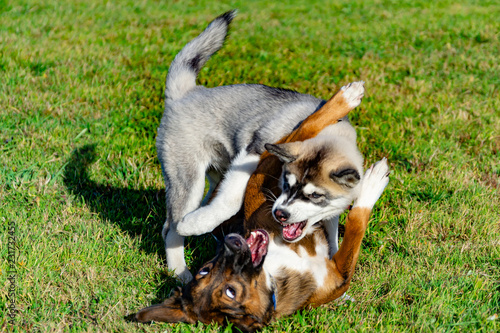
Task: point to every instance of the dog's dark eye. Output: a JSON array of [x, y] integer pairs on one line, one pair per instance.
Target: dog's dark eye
[[314, 195], [204, 271], [230, 292]]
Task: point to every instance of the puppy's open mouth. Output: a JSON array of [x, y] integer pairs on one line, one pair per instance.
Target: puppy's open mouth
[[292, 231], [258, 242]]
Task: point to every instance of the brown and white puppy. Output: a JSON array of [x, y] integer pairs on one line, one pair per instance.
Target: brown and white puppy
[[252, 281]]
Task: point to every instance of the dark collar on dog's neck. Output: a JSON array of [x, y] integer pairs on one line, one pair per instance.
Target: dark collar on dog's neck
[[274, 291]]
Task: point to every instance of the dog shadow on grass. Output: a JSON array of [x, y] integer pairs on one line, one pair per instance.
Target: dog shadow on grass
[[140, 213]]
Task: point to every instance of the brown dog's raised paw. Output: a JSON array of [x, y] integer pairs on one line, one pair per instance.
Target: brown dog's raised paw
[[353, 93]]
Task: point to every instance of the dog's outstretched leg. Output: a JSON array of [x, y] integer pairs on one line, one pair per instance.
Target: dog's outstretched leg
[[374, 182], [343, 102], [344, 261], [226, 203]]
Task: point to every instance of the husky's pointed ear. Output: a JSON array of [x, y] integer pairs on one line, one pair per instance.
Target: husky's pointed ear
[[346, 177], [170, 311], [286, 152]]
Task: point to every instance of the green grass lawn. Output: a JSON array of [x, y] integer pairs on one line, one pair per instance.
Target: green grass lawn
[[81, 96]]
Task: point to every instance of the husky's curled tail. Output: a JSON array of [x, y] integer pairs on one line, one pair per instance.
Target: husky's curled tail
[[187, 64]]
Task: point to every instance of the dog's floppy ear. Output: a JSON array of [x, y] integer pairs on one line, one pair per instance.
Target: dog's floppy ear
[[170, 311], [286, 152], [346, 177]]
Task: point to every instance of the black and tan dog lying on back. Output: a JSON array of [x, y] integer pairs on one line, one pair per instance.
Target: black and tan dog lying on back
[[284, 265]]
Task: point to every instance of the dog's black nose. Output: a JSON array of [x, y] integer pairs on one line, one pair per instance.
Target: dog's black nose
[[235, 242], [281, 215]]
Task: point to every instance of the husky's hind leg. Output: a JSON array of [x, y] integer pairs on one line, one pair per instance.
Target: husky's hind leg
[[183, 196]]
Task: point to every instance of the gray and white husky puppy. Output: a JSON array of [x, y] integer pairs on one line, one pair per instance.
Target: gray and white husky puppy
[[215, 132]]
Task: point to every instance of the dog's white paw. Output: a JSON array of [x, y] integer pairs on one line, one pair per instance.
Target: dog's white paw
[[184, 276], [196, 223], [374, 182], [174, 250], [353, 93], [181, 272]]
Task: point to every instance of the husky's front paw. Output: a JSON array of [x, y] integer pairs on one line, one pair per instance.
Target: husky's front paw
[[353, 93], [196, 223], [374, 182]]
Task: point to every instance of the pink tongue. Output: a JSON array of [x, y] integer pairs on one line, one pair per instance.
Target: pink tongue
[[292, 231], [257, 242]]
